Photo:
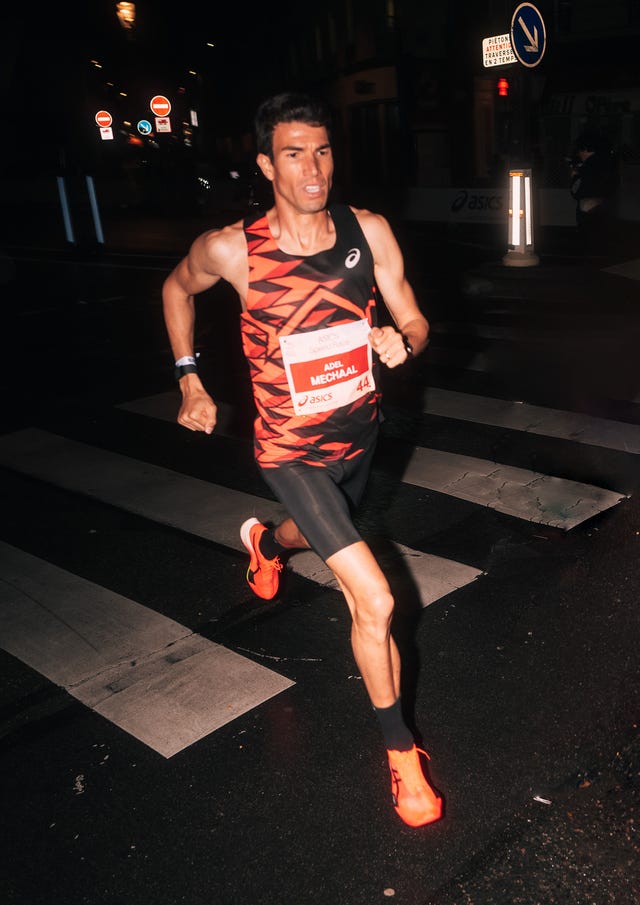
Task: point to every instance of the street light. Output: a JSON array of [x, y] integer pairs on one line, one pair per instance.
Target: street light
[[520, 251], [126, 13]]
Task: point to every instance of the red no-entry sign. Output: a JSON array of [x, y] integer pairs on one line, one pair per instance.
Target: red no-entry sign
[[103, 118], [160, 105]]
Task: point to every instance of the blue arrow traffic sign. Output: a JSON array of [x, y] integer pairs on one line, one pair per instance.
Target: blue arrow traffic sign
[[144, 127], [528, 34]]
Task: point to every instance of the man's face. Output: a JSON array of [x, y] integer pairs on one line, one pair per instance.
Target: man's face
[[302, 166]]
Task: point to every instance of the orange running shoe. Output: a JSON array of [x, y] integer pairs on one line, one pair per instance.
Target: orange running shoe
[[263, 575], [413, 798]]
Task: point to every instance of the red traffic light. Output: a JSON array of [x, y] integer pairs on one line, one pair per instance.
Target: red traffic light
[[503, 88]]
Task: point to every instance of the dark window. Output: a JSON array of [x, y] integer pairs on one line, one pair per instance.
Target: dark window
[[565, 11], [366, 162]]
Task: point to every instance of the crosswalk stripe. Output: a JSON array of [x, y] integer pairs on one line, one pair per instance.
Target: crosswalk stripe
[[525, 494], [628, 269], [464, 359], [151, 676], [164, 407], [192, 505], [479, 331], [169, 687], [533, 419]]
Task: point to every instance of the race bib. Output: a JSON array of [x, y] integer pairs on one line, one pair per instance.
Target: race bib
[[328, 368]]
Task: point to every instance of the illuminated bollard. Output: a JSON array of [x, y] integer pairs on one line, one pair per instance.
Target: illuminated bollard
[[520, 251]]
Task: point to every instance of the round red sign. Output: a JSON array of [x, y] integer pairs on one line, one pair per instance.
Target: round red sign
[[160, 105], [103, 118]]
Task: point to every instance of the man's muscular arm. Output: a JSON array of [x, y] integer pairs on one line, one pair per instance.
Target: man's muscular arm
[[211, 257], [396, 292]]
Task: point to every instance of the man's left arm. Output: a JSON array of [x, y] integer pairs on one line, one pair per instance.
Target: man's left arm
[[411, 334]]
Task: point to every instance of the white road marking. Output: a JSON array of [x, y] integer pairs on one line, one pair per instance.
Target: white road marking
[[514, 491], [524, 494], [151, 676], [534, 419], [190, 504], [628, 269]]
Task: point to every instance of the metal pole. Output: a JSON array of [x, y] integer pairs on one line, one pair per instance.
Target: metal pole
[[95, 213], [66, 214]]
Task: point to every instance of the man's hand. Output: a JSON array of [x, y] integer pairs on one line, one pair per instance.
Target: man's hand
[[389, 345], [198, 411]]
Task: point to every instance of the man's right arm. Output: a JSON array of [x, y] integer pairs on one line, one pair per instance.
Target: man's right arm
[[194, 274]]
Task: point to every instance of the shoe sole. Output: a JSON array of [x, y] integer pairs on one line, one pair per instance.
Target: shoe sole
[[245, 534], [422, 820]]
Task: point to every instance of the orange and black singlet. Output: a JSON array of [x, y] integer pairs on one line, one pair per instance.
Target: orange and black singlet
[[305, 336]]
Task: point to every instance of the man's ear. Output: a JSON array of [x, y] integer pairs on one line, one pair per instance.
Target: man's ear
[[265, 164]]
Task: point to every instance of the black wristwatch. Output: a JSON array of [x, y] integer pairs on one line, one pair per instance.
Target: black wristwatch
[[408, 348], [181, 370]]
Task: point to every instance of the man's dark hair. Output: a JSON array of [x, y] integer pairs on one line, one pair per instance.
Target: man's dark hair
[[288, 107]]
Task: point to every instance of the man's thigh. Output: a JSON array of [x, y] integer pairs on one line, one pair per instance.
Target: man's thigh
[[315, 501]]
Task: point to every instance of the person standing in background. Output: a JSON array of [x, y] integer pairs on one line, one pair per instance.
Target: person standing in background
[[594, 185]]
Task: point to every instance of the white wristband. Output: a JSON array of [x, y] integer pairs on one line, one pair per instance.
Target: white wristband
[[185, 360]]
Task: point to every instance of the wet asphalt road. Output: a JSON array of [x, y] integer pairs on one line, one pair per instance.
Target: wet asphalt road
[[524, 683]]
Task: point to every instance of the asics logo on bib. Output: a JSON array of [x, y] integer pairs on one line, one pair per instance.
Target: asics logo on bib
[[301, 401], [352, 258]]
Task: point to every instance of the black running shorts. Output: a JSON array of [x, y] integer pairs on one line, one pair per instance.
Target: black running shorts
[[321, 499]]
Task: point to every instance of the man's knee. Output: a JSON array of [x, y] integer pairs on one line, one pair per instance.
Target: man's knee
[[373, 613]]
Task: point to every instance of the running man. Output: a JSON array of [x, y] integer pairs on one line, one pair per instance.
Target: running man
[[308, 274]]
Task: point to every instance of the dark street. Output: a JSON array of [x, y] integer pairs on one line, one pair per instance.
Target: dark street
[[167, 737]]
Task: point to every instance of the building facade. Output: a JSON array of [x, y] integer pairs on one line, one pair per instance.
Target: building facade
[[418, 112]]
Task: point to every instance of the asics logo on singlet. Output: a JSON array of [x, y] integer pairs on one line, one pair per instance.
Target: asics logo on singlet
[[353, 256]]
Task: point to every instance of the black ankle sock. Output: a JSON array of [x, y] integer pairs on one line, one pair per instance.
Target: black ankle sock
[[269, 546], [397, 735]]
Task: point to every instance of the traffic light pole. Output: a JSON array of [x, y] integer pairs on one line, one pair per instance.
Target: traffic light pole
[[528, 42]]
